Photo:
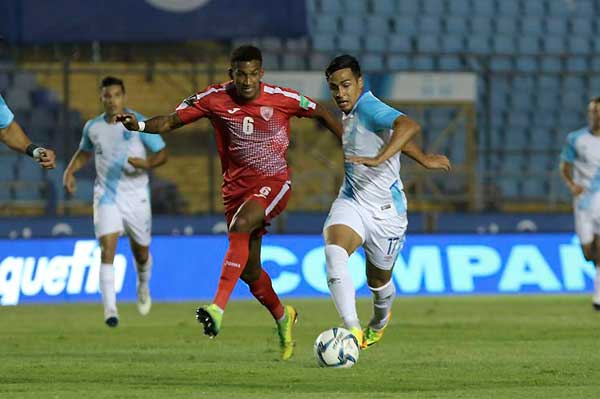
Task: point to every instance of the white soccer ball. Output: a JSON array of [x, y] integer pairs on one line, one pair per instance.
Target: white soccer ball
[[337, 348]]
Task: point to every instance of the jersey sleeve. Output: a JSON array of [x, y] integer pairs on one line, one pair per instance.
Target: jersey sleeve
[[377, 115], [153, 142], [569, 153], [6, 115], [296, 104], [86, 144], [194, 107]]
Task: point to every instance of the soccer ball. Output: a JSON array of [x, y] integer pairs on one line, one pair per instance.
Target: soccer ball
[[337, 348]]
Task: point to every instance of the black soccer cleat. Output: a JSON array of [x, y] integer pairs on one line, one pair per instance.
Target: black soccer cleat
[[210, 318], [596, 306], [112, 321]]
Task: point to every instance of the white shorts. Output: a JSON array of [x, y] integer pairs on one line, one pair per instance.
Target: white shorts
[[130, 214], [382, 239], [587, 221]]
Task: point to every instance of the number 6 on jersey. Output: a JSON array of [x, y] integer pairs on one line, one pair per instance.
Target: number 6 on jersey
[[248, 125]]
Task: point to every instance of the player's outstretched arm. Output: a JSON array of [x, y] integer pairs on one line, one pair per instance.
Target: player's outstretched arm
[[156, 125], [328, 120], [404, 130], [79, 159], [16, 139], [429, 161], [566, 172], [154, 161]]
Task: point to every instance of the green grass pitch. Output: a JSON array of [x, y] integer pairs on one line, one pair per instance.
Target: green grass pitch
[[453, 347]]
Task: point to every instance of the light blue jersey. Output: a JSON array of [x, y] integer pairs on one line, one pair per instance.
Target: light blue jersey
[[113, 144], [6, 116], [583, 151], [367, 129]]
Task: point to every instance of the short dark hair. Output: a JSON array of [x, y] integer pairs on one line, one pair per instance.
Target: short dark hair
[[595, 100], [245, 53], [112, 81], [342, 62]]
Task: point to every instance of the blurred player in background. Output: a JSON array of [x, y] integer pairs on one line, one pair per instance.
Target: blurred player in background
[[13, 136], [121, 191], [580, 169], [251, 121], [370, 210]]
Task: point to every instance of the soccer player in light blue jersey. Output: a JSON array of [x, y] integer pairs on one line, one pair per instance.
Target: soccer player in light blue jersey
[[580, 169], [370, 210], [13, 136], [121, 191]]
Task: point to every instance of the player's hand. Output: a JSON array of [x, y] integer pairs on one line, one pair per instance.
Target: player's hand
[[129, 121], [69, 182], [47, 159], [576, 189], [139, 163], [437, 161], [367, 161]]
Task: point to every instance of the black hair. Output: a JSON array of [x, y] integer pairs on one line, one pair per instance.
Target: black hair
[[112, 81], [595, 100], [342, 62], [246, 53]]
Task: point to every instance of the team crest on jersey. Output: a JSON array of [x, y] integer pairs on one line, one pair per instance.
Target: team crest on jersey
[[266, 113]]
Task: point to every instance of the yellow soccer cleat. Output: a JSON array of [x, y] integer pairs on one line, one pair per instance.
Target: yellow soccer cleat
[[373, 336], [360, 337], [284, 329]]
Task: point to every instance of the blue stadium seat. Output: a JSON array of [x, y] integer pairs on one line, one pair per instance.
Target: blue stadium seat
[[534, 188], [508, 8], [324, 23], [271, 44], [579, 45], [478, 45], [521, 99], [528, 45], [375, 43], [408, 7], [349, 43], [573, 83], [569, 121], [533, 26], [398, 63], [28, 192], [8, 162], [559, 8], [18, 99], [29, 170], [534, 8], [85, 190], [452, 43], [582, 26], [324, 42], [513, 162], [400, 44], [526, 63], [459, 7], [270, 60], [518, 119], [354, 7], [503, 44], [481, 25], [544, 117], [576, 64], [584, 8], [405, 25], [372, 62], [548, 83], [484, 7], [428, 44], [541, 138], [352, 24], [422, 63], [520, 83], [501, 64], [378, 24], [506, 25], [433, 7], [294, 62], [455, 25], [430, 24], [554, 44], [331, 6], [384, 7], [556, 25], [551, 64]]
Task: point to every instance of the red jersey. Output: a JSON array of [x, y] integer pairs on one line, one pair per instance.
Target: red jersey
[[252, 137]]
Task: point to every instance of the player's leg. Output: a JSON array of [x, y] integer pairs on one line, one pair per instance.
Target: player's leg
[[143, 265], [382, 246], [342, 234], [261, 287], [108, 247], [595, 255], [584, 228]]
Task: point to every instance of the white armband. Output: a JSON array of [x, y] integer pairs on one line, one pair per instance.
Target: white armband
[[142, 126]]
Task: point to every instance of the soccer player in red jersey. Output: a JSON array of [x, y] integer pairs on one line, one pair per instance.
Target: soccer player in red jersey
[[251, 121]]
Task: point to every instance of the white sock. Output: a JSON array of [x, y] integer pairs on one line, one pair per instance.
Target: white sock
[[596, 297], [383, 299], [107, 288], [340, 285], [144, 271]]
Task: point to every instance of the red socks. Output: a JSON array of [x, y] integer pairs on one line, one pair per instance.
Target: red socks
[[233, 266], [262, 289]]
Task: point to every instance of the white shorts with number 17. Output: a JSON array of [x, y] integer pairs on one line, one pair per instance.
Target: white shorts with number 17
[[382, 239]]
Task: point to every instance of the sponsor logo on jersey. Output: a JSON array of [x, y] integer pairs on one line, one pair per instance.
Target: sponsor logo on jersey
[[232, 264], [233, 111], [266, 113]]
